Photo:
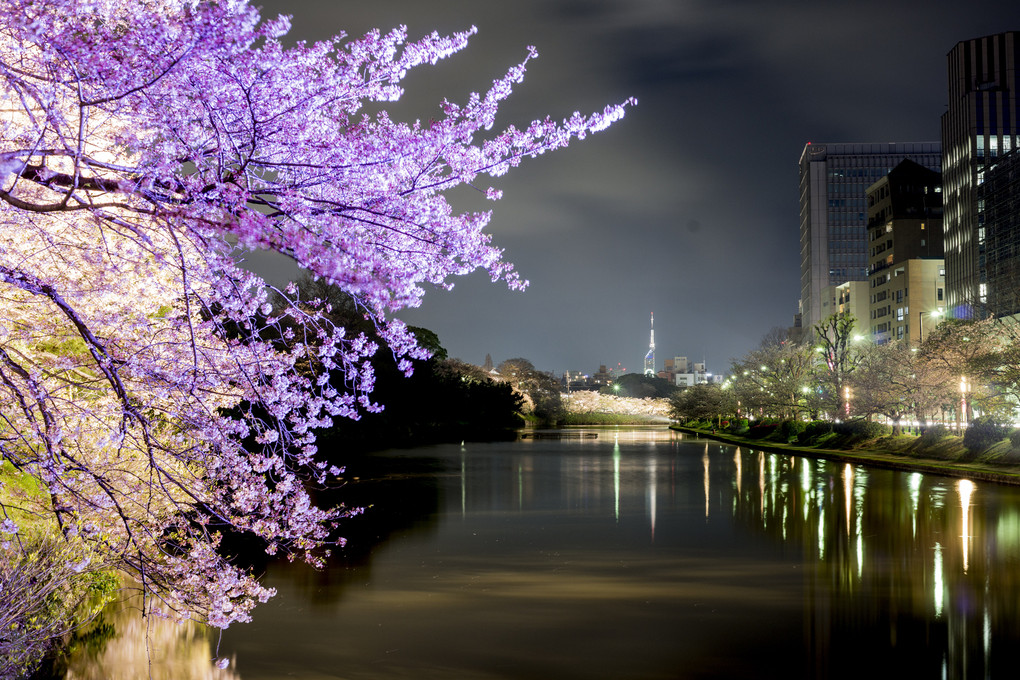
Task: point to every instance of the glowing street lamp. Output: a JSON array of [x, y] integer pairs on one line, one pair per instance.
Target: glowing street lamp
[[920, 322]]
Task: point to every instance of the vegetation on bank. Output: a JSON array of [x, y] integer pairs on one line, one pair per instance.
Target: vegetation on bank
[[48, 592], [986, 447]]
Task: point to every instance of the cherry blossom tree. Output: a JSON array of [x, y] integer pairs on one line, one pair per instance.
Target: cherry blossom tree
[[146, 382]]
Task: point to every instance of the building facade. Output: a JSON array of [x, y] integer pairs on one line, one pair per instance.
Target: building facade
[[999, 196], [683, 373], [833, 212], [906, 271], [849, 298], [980, 125]]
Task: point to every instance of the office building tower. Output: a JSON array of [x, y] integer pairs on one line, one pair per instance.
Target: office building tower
[[907, 272], [980, 124], [833, 212], [999, 196]]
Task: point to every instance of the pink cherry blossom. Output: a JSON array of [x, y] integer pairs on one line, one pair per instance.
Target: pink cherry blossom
[[154, 387]]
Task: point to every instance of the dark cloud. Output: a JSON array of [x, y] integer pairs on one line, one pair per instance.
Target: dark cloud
[[689, 206]]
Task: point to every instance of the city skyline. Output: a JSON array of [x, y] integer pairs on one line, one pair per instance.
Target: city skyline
[[688, 207]]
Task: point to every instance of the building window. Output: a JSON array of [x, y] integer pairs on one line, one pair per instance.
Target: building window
[[940, 294]]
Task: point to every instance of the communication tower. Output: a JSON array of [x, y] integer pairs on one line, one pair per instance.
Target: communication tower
[[650, 357]]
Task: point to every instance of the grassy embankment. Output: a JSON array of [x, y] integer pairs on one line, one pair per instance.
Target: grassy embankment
[[936, 452], [48, 592]]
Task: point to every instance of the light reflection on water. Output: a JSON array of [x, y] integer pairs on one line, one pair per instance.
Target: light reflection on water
[[645, 554]]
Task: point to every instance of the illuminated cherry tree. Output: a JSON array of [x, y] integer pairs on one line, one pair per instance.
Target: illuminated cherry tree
[[147, 383]]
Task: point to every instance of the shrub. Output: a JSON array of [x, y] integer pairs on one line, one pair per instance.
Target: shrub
[[814, 430], [863, 429], [762, 430], [932, 435], [983, 432], [1014, 438], [791, 428], [739, 426]]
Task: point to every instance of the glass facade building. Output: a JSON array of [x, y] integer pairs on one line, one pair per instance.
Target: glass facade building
[[980, 125], [834, 179], [999, 198]]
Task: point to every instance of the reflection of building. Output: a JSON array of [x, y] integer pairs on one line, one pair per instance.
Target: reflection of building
[[981, 123], [906, 270], [833, 212]]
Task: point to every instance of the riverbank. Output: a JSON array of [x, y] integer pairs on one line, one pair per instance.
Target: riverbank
[[860, 454]]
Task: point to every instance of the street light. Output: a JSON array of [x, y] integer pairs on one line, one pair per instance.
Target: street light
[[964, 391], [920, 323]]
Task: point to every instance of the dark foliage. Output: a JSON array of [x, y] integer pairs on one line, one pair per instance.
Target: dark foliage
[[439, 402], [932, 435], [642, 386], [791, 428], [814, 430], [983, 432], [762, 430], [861, 429]]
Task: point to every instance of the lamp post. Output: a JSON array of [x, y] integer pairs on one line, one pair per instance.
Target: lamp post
[[964, 391]]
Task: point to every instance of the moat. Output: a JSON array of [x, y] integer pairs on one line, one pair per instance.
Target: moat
[[639, 553]]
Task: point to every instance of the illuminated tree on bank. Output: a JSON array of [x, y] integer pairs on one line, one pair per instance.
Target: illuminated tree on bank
[[838, 358], [146, 382]]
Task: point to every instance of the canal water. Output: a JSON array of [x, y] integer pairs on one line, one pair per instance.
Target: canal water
[[637, 553]]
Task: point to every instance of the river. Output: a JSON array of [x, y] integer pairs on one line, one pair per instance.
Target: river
[[639, 553]]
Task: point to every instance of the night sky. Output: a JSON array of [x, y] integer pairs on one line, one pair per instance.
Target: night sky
[[688, 207]]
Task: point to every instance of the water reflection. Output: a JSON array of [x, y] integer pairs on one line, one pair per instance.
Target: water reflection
[[643, 554], [147, 648]]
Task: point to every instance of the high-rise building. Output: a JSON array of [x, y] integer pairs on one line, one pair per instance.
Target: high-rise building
[[1000, 196], [981, 122], [907, 272], [833, 212]]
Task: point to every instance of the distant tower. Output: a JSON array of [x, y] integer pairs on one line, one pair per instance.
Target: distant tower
[[650, 357]]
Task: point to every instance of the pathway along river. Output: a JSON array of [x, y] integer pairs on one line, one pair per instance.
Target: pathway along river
[[641, 553]]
